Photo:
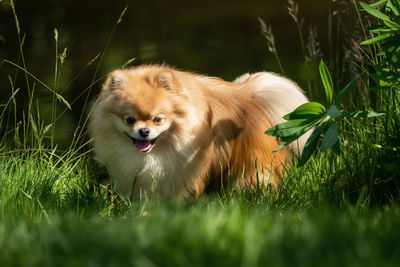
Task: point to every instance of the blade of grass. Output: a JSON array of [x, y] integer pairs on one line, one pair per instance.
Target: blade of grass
[[79, 134]]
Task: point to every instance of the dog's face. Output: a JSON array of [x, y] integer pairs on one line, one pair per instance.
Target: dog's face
[[144, 128], [143, 107]]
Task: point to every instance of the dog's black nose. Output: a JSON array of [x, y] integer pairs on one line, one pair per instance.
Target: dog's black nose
[[144, 132]]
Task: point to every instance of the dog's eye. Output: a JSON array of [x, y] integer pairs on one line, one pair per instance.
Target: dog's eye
[[130, 120], [157, 120]]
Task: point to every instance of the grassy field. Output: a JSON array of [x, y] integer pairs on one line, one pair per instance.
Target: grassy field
[[54, 213], [335, 210], [53, 216]]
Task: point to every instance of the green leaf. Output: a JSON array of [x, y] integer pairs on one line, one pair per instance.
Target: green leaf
[[374, 12], [365, 114], [382, 30], [310, 145], [378, 14], [309, 110], [326, 81], [377, 39], [394, 5], [292, 127], [281, 146], [344, 91], [333, 112], [290, 131], [378, 4], [331, 137], [288, 140], [393, 25]]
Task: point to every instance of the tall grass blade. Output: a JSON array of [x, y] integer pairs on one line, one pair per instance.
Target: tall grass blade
[[62, 99], [327, 82]]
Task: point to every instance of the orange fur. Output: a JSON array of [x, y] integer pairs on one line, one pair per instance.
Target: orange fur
[[209, 128]]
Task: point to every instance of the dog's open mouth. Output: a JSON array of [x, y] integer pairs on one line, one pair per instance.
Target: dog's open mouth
[[142, 145]]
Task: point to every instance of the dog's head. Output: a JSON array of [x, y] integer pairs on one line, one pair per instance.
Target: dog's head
[[143, 105]]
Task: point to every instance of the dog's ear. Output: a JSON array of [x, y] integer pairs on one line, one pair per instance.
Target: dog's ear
[[114, 81], [168, 81]]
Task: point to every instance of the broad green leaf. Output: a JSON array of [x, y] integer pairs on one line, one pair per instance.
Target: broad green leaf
[[326, 81], [333, 112], [376, 39], [310, 145], [344, 91], [331, 137], [288, 140], [292, 127], [309, 110]]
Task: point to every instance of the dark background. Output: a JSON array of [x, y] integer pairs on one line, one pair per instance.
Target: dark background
[[218, 38]]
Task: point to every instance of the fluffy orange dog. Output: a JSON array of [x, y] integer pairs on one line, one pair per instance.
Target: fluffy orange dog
[[176, 133]]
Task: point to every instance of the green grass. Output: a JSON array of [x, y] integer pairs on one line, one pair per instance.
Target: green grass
[[207, 235], [335, 210], [53, 213]]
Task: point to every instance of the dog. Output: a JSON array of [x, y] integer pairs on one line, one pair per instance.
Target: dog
[[172, 134]]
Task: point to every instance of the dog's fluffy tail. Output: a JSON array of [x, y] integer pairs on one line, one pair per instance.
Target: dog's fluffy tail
[[277, 96]]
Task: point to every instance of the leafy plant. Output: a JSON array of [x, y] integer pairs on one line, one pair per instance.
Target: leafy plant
[[386, 37], [323, 121]]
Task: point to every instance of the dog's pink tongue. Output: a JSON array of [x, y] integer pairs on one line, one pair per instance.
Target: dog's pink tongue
[[142, 145]]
